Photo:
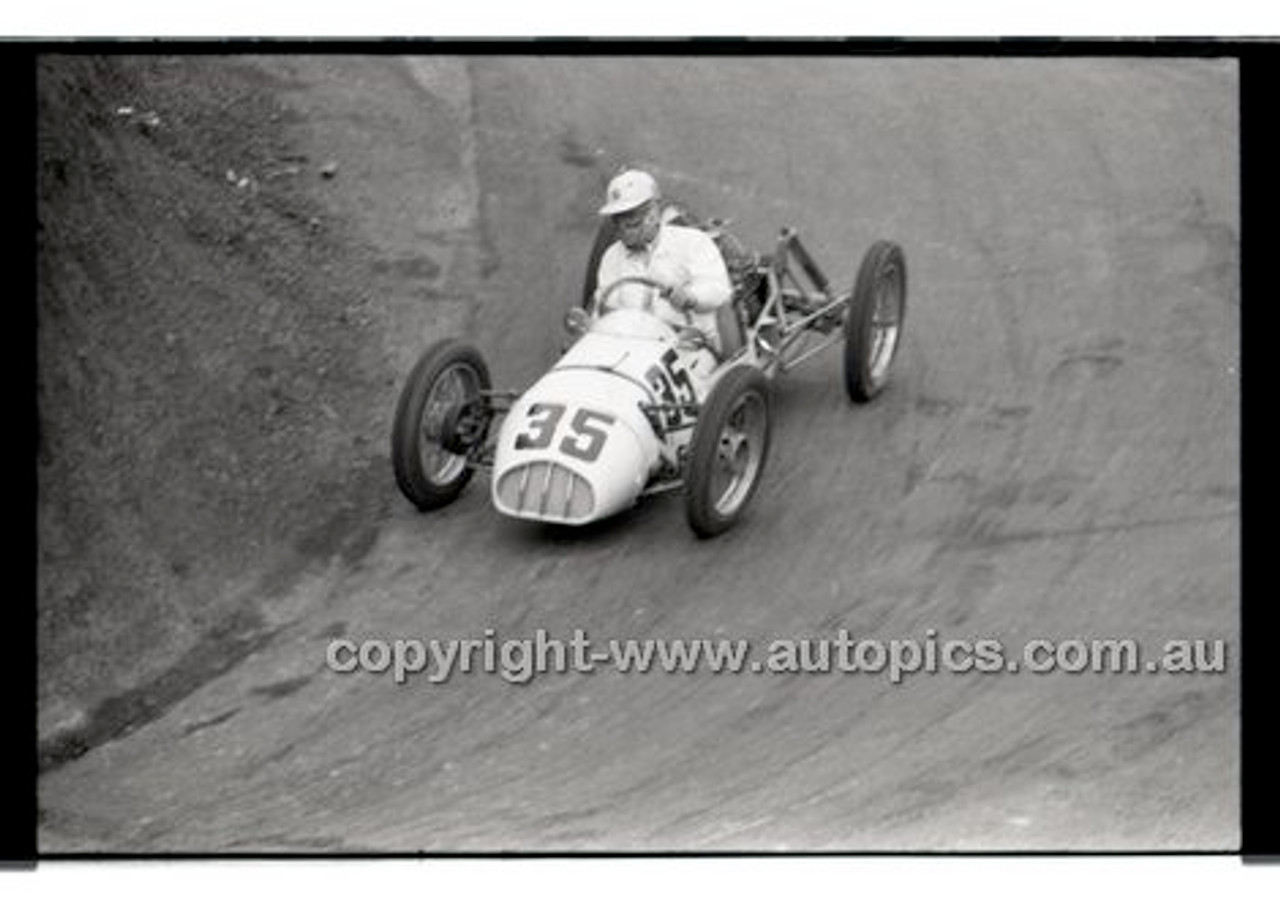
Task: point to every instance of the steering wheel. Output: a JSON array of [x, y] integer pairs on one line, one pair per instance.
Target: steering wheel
[[689, 335], [603, 298]]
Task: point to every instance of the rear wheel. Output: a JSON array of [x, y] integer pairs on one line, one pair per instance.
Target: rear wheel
[[873, 326], [429, 449], [730, 445]]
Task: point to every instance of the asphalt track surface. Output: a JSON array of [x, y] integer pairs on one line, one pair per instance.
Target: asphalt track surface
[[1057, 457]]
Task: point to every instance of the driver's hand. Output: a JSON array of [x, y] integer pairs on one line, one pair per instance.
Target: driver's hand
[[691, 338], [680, 298], [576, 321]]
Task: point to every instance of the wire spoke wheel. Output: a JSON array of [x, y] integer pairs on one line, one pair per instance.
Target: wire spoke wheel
[[429, 468], [457, 384]]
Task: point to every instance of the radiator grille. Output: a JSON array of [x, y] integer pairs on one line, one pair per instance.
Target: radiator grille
[[546, 491]]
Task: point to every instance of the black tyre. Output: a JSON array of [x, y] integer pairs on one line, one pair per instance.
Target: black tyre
[[730, 446], [873, 326], [428, 471]]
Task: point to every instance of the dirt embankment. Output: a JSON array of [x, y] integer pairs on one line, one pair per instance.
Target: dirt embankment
[[222, 327]]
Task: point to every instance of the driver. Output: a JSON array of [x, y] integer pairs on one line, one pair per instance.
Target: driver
[[684, 261]]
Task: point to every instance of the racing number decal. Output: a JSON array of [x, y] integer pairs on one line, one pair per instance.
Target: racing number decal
[[595, 436], [583, 440], [680, 377], [666, 381], [545, 427]]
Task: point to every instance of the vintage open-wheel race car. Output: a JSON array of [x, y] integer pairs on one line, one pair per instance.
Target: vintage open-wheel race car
[[637, 406]]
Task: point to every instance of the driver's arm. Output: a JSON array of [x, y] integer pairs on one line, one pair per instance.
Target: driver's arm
[[609, 270], [707, 283]]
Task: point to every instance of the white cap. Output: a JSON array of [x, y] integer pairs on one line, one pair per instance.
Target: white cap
[[629, 189]]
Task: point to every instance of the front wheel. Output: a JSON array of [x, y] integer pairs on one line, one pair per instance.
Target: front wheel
[[873, 325], [730, 445], [429, 452]]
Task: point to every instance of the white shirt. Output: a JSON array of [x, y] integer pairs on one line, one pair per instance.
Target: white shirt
[[678, 255]]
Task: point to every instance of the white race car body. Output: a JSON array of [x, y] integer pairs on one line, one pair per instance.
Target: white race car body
[[579, 445]]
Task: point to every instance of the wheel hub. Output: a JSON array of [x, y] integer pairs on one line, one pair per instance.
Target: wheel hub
[[443, 447], [734, 454], [463, 426]]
